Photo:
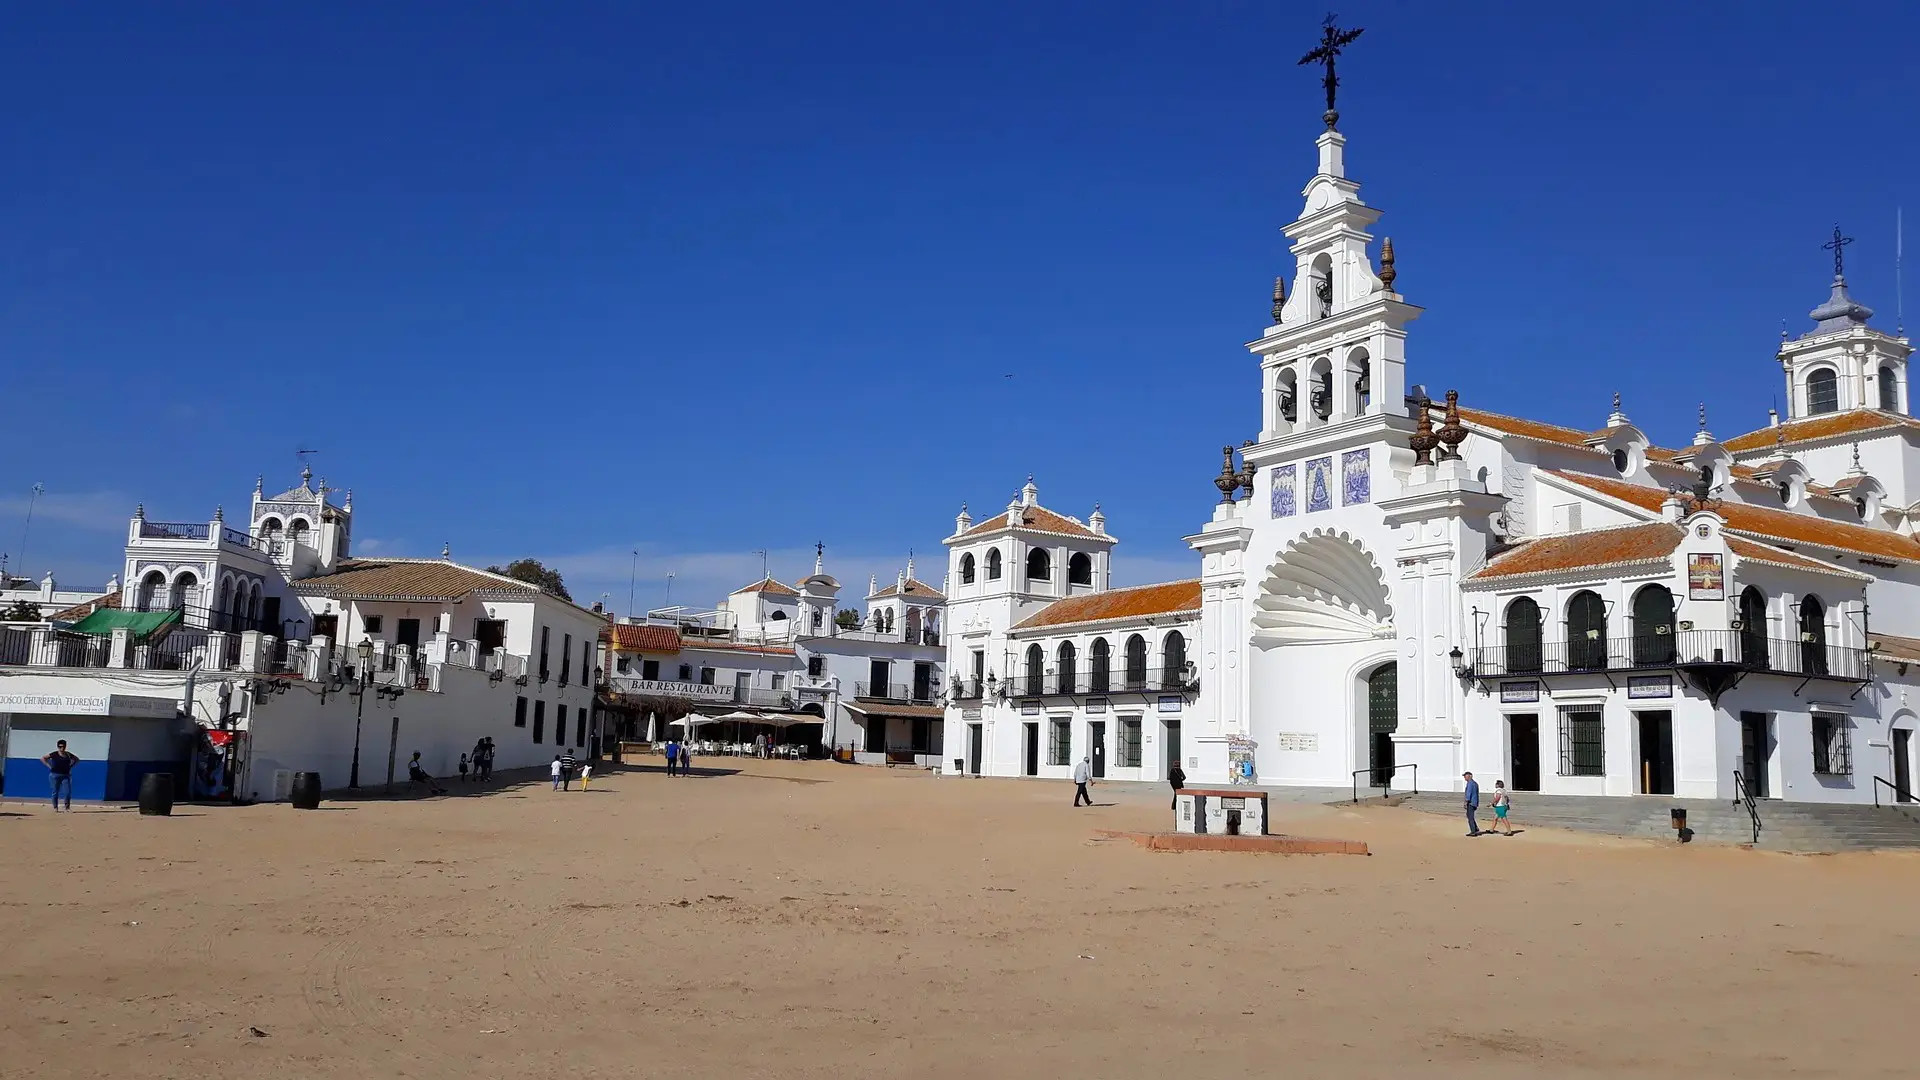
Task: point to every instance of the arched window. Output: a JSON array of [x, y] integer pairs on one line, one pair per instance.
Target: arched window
[[1039, 565], [886, 622], [270, 528], [1889, 391], [1360, 372], [1173, 661], [1063, 664], [1099, 665], [777, 616], [153, 592], [1136, 663], [1323, 393], [1586, 632], [1523, 636], [297, 530], [186, 590], [1653, 626], [1823, 392], [1036, 670], [1080, 569], [1289, 397], [223, 602], [993, 564], [817, 618], [1813, 636], [1322, 287], [966, 568], [1753, 628]]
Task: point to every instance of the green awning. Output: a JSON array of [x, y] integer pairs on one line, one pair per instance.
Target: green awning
[[144, 624]]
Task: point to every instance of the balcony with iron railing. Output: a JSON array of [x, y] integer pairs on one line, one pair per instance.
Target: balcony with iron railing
[[1136, 679], [1731, 648], [914, 693], [967, 689], [203, 532]]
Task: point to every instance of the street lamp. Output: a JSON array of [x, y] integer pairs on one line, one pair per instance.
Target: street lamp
[[365, 676]]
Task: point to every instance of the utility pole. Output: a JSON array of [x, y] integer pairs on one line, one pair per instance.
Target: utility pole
[[38, 490]]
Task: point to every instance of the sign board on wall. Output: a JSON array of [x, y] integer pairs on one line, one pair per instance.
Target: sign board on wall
[[89, 705], [1706, 578], [1029, 708], [666, 688], [1169, 703], [1649, 686], [1303, 741], [1096, 704], [1519, 693]]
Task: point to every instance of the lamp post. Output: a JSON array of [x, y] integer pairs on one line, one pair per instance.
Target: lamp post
[[363, 676]]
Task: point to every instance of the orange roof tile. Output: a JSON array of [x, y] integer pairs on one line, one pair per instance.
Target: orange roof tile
[[1830, 425], [1526, 429], [1894, 647], [767, 585], [409, 579], [1649, 543], [1748, 549], [632, 637], [1775, 525], [1038, 519], [734, 646], [915, 587], [81, 611], [1131, 603]]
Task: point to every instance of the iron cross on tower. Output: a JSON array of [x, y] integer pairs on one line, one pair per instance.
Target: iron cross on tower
[[1838, 245], [1332, 40]]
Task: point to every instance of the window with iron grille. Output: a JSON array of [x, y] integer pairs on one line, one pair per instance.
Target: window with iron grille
[[1059, 742], [1130, 743], [1583, 750], [1832, 749]]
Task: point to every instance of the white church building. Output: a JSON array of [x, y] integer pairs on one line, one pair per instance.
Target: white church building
[[1391, 585]]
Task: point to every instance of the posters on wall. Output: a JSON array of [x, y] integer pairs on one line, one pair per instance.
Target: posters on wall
[[1706, 578]]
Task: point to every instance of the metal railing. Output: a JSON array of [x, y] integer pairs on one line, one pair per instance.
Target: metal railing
[[896, 691], [1742, 796], [1120, 680], [174, 530], [750, 695], [1900, 794], [967, 689], [243, 539], [1383, 779], [1584, 655]]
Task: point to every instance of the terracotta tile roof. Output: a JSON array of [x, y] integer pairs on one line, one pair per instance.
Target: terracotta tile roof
[[735, 646], [1894, 647], [1772, 525], [1526, 429], [1649, 543], [631, 637], [1765, 553], [1036, 518], [81, 611], [1828, 426], [931, 712], [915, 587], [1136, 602], [410, 579], [768, 586]]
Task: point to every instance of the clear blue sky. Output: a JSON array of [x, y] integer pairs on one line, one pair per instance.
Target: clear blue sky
[[564, 279]]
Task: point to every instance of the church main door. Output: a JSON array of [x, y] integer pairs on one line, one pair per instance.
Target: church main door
[[1383, 719]]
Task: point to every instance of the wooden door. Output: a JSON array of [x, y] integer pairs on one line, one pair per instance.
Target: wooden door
[[1097, 746], [1656, 753], [973, 749]]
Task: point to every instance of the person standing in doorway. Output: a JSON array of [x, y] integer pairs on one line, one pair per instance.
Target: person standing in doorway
[[1472, 802], [60, 765], [1081, 774], [555, 769], [568, 766], [1502, 802], [1177, 777]]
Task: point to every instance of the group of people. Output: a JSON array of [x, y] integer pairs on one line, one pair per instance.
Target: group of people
[[566, 768], [479, 763], [679, 757]]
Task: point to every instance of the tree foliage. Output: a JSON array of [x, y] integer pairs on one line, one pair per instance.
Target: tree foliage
[[847, 619], [534, 573], [21, 611]]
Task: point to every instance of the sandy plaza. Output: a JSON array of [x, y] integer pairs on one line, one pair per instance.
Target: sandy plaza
[[819, 920]]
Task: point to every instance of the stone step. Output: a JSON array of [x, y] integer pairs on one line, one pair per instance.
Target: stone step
[[1784, 826]]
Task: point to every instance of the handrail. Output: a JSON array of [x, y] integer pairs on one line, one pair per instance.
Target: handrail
[[1900, 794], [1743, 796], [1387, 788]]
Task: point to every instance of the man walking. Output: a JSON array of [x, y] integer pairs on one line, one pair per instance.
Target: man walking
[[1081, 773], [568, 766], [1472, 804], [555, 769], [60, 765]]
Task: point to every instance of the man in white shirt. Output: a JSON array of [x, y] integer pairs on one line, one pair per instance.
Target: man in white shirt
[[556, 772], [1081, 774]]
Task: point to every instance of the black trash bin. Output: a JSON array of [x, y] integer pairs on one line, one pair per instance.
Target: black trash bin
[[156, 794], [306, 791]]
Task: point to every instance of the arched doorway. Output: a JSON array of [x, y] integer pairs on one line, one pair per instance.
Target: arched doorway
[[1383, 719]]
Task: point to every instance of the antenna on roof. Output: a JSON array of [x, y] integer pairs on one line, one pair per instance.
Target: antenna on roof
[[1899, 249]]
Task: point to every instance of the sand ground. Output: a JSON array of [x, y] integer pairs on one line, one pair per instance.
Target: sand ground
[[814, 920]]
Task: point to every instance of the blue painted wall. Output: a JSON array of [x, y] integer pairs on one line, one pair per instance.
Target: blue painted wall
[[115, 753]]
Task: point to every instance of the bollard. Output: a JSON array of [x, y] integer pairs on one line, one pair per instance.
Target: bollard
[[156, 795]]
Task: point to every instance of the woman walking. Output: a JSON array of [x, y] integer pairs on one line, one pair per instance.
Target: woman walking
[[1501, 803]]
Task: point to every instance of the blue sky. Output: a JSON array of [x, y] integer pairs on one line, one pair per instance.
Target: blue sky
[[571, 279]]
